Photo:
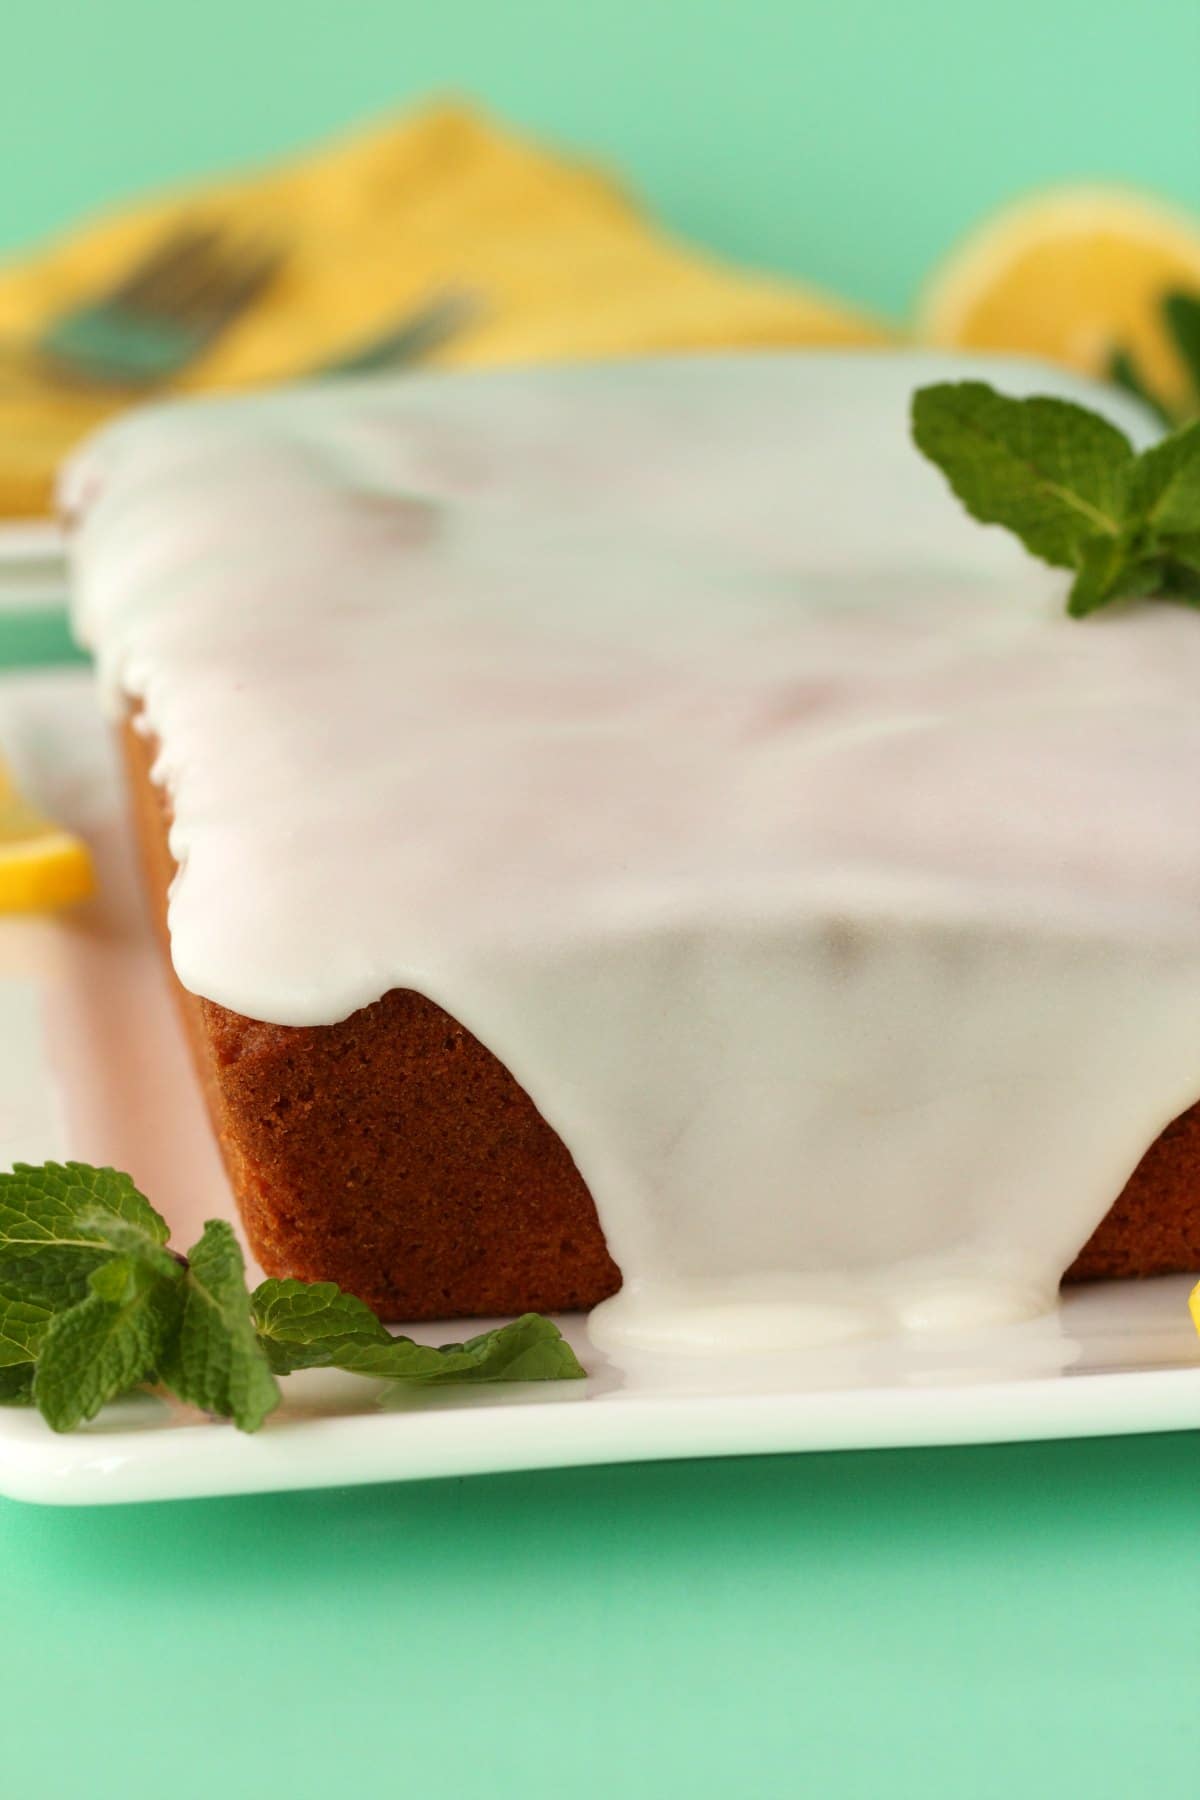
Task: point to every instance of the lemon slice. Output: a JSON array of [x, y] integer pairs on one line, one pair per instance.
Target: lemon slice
[[1071, 275], [1194, 1305], [41, 866]]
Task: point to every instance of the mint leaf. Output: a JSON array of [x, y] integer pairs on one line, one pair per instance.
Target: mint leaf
[[310, 1325], [1186, 550], [86, 1289], [131, 1240], [107, 1344], [54, 1277], [1179, 580], [1048, 470], [22, 1327], [1110, 569], [531, 1348], [216, 1361], [1124, 373], [16, 1385], [1164, 489], [54, 1226], [1103, 563], [46, 1204], [1069, 486], [1182, 315]]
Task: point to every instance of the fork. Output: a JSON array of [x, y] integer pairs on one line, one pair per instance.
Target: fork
[[162, 315], [443, 316]]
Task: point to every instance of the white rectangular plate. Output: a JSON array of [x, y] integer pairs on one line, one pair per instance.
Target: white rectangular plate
[[30, 541], [92, 1065], [32, 564]]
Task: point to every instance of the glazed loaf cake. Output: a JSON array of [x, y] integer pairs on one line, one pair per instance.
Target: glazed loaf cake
[[393, 1154], [581, 814]]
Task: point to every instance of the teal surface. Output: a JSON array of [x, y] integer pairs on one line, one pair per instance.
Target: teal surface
[[977, 1625], [985, 1624], [34, 637]]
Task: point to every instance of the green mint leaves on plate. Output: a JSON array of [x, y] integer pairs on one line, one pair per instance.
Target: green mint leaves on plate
[[93, 1305], [313, 1325], [1072, 488]]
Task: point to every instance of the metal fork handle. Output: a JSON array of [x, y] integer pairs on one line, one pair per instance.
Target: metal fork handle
[[107, 349], [423, 332]]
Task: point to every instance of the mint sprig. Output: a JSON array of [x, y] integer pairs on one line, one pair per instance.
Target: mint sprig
[[1071, 487], [94, 1304]]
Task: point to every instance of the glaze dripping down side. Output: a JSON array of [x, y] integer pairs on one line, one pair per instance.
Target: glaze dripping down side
[[833, 896]]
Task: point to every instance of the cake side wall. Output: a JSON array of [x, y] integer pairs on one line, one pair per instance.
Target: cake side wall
[[1153, 1227], [394, 1154]]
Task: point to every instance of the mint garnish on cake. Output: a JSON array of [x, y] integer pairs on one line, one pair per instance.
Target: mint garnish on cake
[[1071, 486]]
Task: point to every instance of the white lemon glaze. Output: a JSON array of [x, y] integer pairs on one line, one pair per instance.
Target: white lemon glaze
[[834, 896]]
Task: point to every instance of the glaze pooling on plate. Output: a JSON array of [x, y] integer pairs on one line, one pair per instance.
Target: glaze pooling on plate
[[835, 897]]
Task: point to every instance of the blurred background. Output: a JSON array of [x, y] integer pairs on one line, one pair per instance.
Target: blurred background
[[257, 191], [848, 144]]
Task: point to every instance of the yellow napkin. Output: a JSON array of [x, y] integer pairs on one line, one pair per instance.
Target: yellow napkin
[[563, 263]]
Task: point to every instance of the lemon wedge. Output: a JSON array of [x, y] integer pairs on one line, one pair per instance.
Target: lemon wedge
[[1072, 275], [41, 866], [1194, 1305]]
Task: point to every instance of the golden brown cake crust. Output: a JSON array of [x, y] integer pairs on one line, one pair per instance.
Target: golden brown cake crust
[[1153, 1227], [394, 1154], [391, 1153]]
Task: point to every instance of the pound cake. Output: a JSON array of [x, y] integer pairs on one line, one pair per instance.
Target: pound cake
[[628, 818]]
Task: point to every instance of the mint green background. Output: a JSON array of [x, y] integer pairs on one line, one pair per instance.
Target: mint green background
[[971, 1625], [845, 140], [983, 1624]]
